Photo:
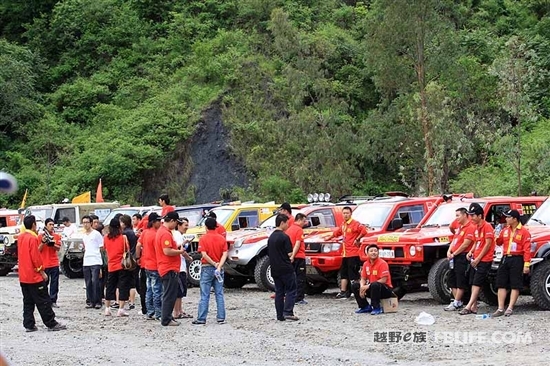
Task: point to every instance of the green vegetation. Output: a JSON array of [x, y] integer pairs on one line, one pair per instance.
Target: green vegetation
[[342, 96]]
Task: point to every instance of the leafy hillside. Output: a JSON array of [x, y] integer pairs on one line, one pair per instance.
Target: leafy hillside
[[335, 95]]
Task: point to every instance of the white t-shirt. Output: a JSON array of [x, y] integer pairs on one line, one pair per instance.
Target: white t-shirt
[[68, 231], [178, 238], [92, 242]]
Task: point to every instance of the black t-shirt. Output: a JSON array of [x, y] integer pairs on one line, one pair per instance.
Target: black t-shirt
[[132, 239], [278, 247]]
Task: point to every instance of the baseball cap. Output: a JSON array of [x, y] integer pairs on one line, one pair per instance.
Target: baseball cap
[[475, 209], [153, 216], [512, 213], [286, 206], [171, 216]]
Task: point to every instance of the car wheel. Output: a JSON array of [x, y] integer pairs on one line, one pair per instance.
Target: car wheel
[[262, 274], [438, 280], [72, 268], [540, 284], [194, 269], [5, 269]]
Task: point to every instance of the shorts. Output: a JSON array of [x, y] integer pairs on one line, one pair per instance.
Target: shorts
[[458, 277], [478, 275], [350, 268], [510, 272], [121, 280], [182, 287], [135, 276]]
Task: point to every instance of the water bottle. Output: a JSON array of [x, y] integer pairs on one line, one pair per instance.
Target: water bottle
[[483, 316], [452, 263], [218, 275]]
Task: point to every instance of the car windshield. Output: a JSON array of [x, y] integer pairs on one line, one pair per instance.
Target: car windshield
[[541, 215], [222, 216], [371, 214], [194, 215], [446, 213], [41, 214], [130, 212], [270, 221]]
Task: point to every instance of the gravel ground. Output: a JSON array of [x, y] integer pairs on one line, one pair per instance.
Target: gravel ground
[[328, 333]]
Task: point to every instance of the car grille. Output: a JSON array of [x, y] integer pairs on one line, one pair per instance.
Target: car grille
[[313, 247]]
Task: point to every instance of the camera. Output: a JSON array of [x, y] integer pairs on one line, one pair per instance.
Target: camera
[[48, 238]]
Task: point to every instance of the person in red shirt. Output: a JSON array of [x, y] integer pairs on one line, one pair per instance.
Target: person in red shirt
[[32, 279], [375, 283], [213, 248], [219, 227], [352, 231], [480, 255], [458, 263], [147, 259], [516, 259], [286, 209], [168, 262], [49, 244], [298, 257], [115, 244], [164, 202]]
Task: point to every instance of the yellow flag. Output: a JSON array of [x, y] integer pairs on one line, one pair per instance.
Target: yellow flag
[[23, 202], [83, 198]]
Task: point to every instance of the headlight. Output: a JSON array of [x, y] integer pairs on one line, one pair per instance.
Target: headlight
[[238, 243], [4, 239], [412, 251], [327, 248], [333, 247], [81, 246], [17, 230]]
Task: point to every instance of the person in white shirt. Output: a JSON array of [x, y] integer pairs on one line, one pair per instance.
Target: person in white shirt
[[183, 225], [93, 261], [69, 229]]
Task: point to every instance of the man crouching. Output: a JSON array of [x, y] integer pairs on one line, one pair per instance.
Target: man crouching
[[375, 283]]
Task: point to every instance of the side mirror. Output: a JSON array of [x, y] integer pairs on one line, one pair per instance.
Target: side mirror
[[315, 221], [235, 227], [395, 224]]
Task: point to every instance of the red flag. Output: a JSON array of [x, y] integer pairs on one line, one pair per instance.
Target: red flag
[[99, 193]]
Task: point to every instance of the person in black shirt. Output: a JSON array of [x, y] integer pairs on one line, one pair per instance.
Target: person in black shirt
[[279, 250], [128, 230]]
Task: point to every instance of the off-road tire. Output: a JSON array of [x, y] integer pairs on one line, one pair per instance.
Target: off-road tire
[[315, 288], [68, 271], [234, 281], [438, 279], [194, 269], [489, 292], [5, 269], [540, 284], [262, 274]]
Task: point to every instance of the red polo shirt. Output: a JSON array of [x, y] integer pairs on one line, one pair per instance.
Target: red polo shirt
[[483, 232], [463, 233], [213, 244], [148, 255], [166, 263], [351, 230], [375, 271], [30, 262], [516, 242], [221, 230], [49, 254], [167, 209], [295, 233]]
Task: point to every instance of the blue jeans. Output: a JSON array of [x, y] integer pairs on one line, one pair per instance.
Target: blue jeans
[[93, 284], [208, 279], [53, 282], [153, 296]]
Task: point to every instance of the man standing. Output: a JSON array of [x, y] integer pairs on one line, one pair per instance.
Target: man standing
[[146, 255], [480, 256], [49, 245], [93, 263], [164, 202], [352, 231], [181, 229], [213, 248], [33, 279], [69, 229], [136, 219], [298, 257], [279, 250], [168, 262], [516, 259], [286, 210], [458, 263], [375, 283]]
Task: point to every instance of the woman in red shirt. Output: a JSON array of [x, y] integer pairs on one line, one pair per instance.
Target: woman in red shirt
[[115, 244]]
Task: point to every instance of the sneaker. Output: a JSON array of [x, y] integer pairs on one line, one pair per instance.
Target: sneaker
[[122, 312], [497, 313], [172, 323], [220, 321], [366, 309], [115, 305], [197, 322], [376, 311], [342, 295], [108, 312], [89, 306], [149, 317], [291, 317], [57, 327], [132, 306], [97, 306], [33, 329], [452, 307], [54, 305], [302, 302]]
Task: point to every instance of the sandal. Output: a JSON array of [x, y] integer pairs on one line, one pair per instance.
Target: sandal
[[186, 316], [508, 312], [466, 312]]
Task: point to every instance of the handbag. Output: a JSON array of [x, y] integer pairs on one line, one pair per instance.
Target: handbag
[[128, 261]]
